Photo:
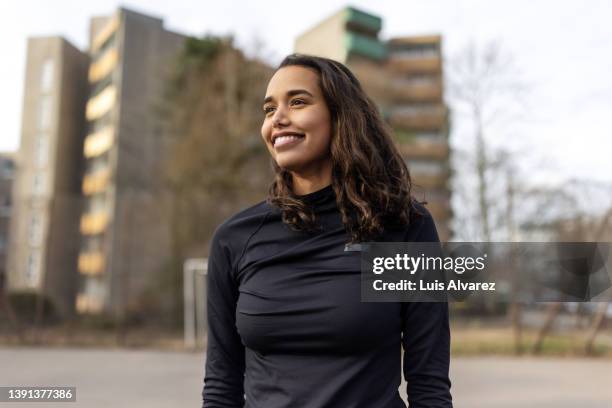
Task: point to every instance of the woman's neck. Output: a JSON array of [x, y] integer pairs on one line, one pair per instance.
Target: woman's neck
[[313, 181]]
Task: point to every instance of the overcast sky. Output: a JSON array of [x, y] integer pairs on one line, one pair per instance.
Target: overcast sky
[[563, 47]]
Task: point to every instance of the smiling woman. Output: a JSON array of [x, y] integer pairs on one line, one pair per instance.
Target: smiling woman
[[287, 327]]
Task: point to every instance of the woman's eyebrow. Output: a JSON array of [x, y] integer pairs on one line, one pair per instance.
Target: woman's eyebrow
[[289, 93]]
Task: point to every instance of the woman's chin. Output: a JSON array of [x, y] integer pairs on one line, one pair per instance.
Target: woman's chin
[[289, 164]]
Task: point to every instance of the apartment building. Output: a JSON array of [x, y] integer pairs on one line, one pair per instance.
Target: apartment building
[[404, 76], [89, 229], [43, 238], [419, 117], [124, 239]]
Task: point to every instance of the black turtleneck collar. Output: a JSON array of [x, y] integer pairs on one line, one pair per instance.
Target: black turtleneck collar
[[320, 196]]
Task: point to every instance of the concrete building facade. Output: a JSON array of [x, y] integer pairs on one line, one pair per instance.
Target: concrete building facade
[[43, 240], [404, 76], [124, 240]]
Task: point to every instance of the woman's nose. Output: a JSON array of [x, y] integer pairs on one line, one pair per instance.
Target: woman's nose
[[279, 117]]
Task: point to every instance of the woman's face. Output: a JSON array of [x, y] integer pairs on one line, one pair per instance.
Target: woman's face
[[297, 124]]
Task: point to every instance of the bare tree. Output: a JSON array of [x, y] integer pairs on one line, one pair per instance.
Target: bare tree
[[486, 92], [575, 224]]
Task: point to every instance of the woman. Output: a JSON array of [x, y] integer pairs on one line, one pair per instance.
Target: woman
[[286, 325]]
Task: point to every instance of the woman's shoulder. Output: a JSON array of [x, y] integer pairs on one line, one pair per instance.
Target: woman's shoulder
[[422, 227], [231, 236], [234, 231]]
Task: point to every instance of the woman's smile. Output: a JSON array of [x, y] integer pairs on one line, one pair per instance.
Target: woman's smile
[[286, 142]]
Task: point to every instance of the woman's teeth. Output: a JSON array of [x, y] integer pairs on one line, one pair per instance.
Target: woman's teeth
[[281, 140]]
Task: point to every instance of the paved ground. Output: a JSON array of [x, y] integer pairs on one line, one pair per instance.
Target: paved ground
[[156, 379]]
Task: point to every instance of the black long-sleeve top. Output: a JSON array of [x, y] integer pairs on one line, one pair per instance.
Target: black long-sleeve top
[[286, 327]]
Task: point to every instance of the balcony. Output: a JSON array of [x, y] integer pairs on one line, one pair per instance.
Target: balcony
[[429, 181], [415, 41], [94, 223], [101, 103], [418, 117], [88, 304], [423, 150], [103, 66], [91, 263], [414, 65], [96, 182], [99, 142], [364, 46], [105, 33], [416, 91]]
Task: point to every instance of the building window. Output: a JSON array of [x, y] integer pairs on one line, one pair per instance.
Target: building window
[[38, 184], [97, 163], [32, 272], [5, 206], [439, 195], [97, 87], [416, 80], [426, 167], [44, 112], [423, 80], [41, 151], [99, 124], [108, 43], [7, 169], [35, 230], [417, 51], [92, 243], [46, 77], [430, 137], [95, 288], [97, 203], [418, 109]]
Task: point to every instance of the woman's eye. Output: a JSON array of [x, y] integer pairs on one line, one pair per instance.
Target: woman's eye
[[269, 109]]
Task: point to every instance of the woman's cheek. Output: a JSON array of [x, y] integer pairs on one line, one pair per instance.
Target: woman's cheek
[[265, 134]]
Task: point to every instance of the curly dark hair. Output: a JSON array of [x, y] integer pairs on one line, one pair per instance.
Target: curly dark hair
[[369, 176]]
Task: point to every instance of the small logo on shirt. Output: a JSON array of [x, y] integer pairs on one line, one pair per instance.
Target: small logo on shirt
[[352, 247]]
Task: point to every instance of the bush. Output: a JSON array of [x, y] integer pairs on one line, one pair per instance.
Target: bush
[[25, 305]]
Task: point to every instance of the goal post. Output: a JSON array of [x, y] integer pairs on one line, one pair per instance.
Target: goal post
[[194, 298]]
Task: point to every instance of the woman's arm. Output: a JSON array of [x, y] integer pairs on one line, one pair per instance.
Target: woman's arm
[[223, 381], [426, 342]]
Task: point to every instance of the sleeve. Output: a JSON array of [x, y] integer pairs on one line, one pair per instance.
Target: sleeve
[[426, 343], [224, 375]]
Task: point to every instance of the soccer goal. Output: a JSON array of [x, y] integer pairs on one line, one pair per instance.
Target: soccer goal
[[194, 295]]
